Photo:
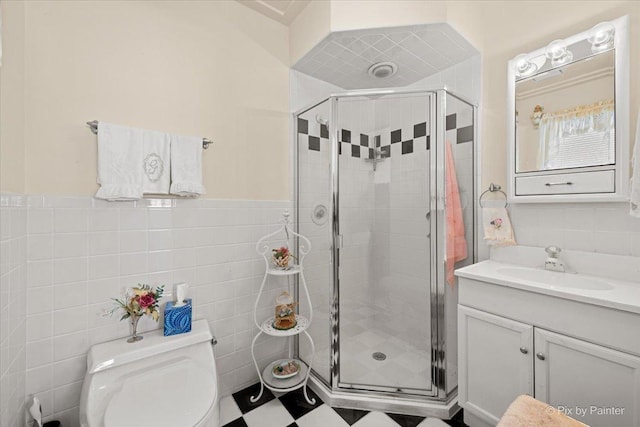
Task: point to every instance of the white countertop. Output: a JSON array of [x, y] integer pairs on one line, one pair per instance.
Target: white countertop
[[624, 295]]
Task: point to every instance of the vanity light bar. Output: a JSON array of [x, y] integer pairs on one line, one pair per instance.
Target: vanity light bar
[[601, 37]]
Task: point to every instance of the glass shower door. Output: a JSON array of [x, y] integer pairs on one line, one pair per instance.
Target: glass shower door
[[385, 307], [313, 219]]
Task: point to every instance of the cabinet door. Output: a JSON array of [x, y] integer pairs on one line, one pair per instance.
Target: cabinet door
[[593, 384], [494, 361]]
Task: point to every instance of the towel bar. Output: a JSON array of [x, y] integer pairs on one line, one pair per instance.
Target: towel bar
[[93, 125]]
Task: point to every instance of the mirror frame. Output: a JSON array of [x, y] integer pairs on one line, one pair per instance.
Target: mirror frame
[[622, 143]]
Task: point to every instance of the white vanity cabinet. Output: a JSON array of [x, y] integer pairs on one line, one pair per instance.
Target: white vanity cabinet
[[577, 374], [578, 357], [494, 362]]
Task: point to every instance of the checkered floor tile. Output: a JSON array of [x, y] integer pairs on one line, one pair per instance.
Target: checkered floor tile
[[292, 410]]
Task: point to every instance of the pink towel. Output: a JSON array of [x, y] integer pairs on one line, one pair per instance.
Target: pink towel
[[456, 242]]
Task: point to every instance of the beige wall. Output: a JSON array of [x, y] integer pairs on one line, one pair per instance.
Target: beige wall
[[216, 69], [220, 70], [357, 14], [12, 98], [503, 29], [309, 28]]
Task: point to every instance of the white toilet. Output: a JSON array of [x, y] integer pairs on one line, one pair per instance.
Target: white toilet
[[159, 381]]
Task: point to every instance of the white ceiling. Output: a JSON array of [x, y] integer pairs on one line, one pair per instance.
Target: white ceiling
[[343, 58], [283, 11]]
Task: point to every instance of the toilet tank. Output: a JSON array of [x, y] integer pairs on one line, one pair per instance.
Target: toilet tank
[[175, 374]]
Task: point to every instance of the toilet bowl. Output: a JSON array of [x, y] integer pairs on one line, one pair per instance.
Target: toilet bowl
[[159, 381]]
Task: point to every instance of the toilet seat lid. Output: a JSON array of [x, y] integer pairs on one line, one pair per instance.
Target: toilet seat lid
[[178, 393]]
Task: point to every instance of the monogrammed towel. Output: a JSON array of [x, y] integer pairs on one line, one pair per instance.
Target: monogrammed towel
[[156, 164]]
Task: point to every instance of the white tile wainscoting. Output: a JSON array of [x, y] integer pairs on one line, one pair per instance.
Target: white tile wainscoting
[[590, 227], [81, 252], [13, 279], [63, 258]]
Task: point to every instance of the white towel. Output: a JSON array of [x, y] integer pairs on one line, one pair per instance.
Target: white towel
[[497, 227], [119, 160], [635, 180], [156, 166], [186, 166]]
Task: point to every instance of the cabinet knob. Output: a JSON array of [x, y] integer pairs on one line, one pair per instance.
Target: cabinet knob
[[540, 356], [524, 350]]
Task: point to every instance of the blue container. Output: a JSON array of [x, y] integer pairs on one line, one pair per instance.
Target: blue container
[[177, 320]]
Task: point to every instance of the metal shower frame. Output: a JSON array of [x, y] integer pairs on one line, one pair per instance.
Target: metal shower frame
[[437, 102]]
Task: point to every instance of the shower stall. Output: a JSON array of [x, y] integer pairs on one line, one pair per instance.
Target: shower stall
[[370, 194]]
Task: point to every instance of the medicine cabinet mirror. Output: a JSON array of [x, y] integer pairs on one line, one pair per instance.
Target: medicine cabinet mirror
[[569, 118]]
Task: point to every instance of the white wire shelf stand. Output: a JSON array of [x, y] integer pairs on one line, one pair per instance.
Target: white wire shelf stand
[[264, 247]]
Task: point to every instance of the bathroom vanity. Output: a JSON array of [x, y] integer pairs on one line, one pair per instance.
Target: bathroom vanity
[[570, 340]]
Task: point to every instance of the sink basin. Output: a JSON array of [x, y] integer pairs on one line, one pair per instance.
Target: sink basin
[[555, 279]]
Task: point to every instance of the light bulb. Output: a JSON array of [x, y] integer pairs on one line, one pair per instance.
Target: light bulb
[[601, 37], [524, 67], [557, 52]]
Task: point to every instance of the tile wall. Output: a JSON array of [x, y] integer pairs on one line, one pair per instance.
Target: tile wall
[[314, 195], [382, 218], [81, 252], [418, 50], [459, 131], [463, 79], [356, 202], [13, 302], [401, 246], [591, 227]]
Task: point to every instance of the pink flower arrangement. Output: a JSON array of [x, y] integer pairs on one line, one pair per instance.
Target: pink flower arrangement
[[139, 301], [145, 301], [282, 256]]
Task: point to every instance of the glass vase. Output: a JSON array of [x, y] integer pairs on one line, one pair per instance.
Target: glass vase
[[134, 325]]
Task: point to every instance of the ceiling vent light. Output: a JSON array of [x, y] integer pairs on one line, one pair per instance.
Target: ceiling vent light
[[382, 70]]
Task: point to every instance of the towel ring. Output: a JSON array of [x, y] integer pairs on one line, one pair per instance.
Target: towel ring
[[493, 188]]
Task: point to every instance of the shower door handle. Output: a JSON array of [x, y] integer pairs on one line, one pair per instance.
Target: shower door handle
[[428, 217]]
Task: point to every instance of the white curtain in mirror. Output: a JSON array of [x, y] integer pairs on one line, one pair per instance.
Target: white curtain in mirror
[[578, 137]]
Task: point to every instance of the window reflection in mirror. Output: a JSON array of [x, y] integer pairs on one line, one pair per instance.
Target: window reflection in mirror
[[565, 116]]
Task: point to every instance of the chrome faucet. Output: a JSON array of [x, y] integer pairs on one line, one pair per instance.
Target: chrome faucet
[[553, 263]]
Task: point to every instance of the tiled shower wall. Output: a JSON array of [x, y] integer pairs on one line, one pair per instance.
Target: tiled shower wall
[[357, 201], [13, 276], [401, 247], [460, 133], [82, 252], [314, 187], [382, 220]]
